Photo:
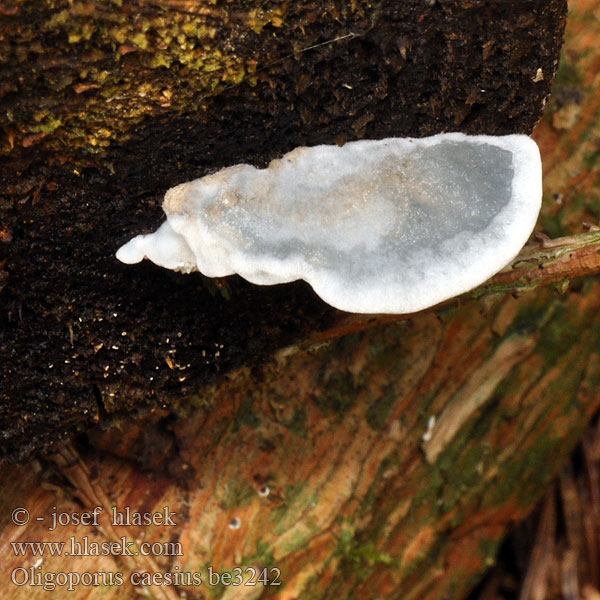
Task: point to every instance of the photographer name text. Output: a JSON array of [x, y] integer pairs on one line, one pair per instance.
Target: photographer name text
[[125, 517]]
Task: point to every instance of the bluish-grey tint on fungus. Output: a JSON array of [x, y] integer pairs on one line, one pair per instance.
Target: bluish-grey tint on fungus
[[376, 226]]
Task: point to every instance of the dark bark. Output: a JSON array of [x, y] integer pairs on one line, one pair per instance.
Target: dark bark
[[97, 127]]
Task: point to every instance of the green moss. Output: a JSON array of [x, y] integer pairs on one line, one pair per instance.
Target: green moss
[[457, 582], [339, 394], [140, 40], [525, 475], [193, 403], [238, 494], [246, 416], [359, 558], [216, 591], [378, 412], [57, 20], [537, 468], [591, 159], [488, 549], [433, 489], [553, 223], [297, 424], [293, 494], [47, 125], [183, 46], [533, 315], [567, 74], [299, 539], [263, 554], [558, 337], [160, 59]]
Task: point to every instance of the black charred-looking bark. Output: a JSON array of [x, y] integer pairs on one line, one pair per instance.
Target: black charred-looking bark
[[105, 107]]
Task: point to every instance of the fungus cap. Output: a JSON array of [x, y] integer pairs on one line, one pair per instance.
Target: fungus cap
[[376, 226]]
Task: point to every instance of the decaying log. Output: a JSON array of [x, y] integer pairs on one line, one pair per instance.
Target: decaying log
[[108, 104], [385, 462]]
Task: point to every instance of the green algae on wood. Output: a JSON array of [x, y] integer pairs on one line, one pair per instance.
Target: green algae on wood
[[121, 64]]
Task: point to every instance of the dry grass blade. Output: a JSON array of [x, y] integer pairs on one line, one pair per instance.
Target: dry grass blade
[[535, 583]]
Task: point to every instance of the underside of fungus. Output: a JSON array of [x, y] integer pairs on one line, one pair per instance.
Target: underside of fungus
[[376, 226]]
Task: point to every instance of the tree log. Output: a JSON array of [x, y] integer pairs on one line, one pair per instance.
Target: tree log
[[106, 105], [386, 462]]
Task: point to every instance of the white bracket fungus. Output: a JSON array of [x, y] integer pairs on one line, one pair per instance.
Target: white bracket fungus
[[376, 226]]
